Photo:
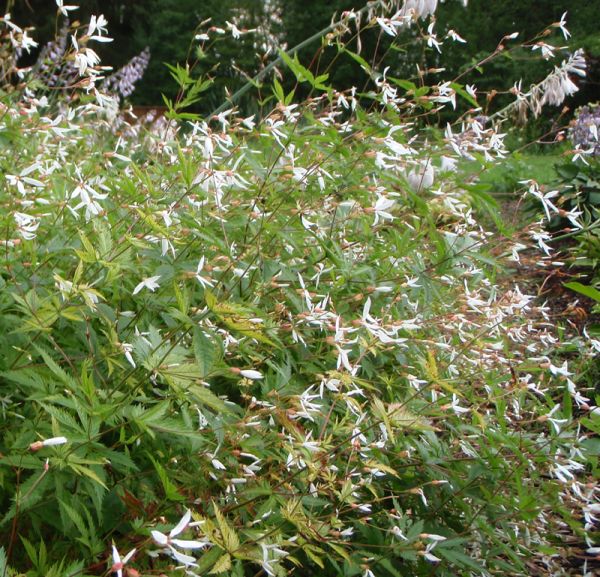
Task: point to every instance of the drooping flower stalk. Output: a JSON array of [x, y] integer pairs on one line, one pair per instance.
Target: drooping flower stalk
[[122, 82]]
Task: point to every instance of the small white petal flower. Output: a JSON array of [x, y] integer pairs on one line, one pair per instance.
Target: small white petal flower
[[218, 465], [150, 283], [52, 442], [563, 26], [119, 563], [64, 10]]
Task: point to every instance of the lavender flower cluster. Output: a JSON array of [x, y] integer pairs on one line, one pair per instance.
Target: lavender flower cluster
[[123, 81], [586, 128], [51, 64], [56, 71]]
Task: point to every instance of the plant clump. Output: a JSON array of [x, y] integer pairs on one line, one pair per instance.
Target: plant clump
[[288, 344]]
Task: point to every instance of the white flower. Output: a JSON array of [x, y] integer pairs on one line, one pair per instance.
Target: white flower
[[563, 26], [27, 42], [52, 442], [419, 8], [387, 26], [455, 36], [432, 40], [554, 422], [421, 178], [543, 198], [26, 225], [235, 31], [563, 370], [204, 281], [381, 208], [429, 556], [435, 539], [546, 49], [88, 196], [150, 283], [98, 24], [64, 10], [268, 560], [86, 59], [432, 537], [249, 122], [455, 406], [168, 541], [127, 349], [218, 465], [119, 563]]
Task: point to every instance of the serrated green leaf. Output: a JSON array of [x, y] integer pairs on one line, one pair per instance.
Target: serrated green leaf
[[222, 565], [231, 542], [205, 351]]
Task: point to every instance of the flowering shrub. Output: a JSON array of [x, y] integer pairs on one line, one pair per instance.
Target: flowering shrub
[[263, 346]]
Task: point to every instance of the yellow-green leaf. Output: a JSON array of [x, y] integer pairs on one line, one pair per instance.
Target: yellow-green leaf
[[222, 565]]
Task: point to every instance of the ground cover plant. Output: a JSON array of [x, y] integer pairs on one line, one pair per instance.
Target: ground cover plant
[[289, 344]]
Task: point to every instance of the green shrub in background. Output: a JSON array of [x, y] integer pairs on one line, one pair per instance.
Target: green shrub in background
[[166, 27], [278, 345]]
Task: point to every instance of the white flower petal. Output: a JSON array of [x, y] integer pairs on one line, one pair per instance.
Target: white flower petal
[[55, 441], [186, 544], [186, 560], [183, 523], [115, 554], [250, 374], [160, 538]]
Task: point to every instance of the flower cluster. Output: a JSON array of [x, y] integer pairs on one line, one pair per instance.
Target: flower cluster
[[123, 81], [585, 129], [51, 67]]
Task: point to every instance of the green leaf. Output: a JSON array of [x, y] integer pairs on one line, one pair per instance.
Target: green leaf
[[205, 351], [171, 492], [74, 516], [360, 60], [58, 371], [205, 397], [222, 565], [88, 472], [460, 559], [231, 542], [458, 88], [405, 84], [302, 74], [278, 90], [585, 290], [31, 551], [4, 570], [208, 560]]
